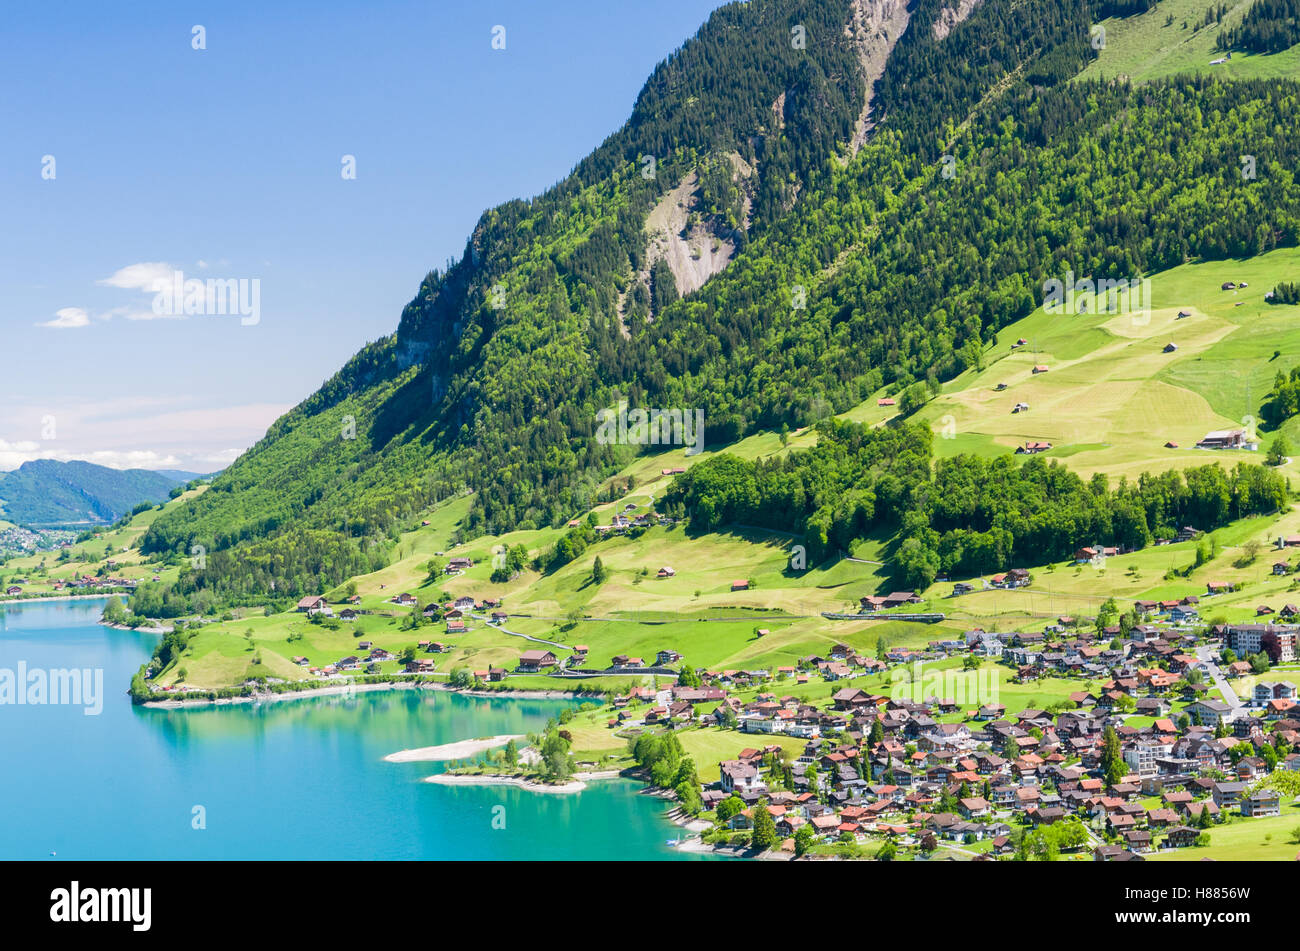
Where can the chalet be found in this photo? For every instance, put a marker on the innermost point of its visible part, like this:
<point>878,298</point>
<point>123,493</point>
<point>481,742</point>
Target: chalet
<point>497,674</point>
<point>1170,347</point>
<point>1181,837</point>
<point>1115,853</point>
<point>1281,568</point>
<point>1208,712</point>
<point>1020,408</point>
<point>405,599</point>
<point>961,588</point>
<point>1040,368</point>
<point>1264,802</point>
<point>14,589</point>
<point>1228,793</point>
<point>1223,439</point>
<point>665,657</point>
<point>893,600</point>
<point>740,585</point>
<point>348,614</point>
<point>886,401</point>
<point>536,660</point>
<point>1275,690</point>
<point>666,572</point>
<point>314,604</point>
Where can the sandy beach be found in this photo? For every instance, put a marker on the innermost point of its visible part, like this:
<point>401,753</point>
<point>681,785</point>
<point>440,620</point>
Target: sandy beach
<point>464,749</point>
<point>577,784</point>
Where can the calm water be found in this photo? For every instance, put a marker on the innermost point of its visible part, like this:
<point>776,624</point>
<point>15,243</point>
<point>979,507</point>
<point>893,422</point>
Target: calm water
<point>297,779</point>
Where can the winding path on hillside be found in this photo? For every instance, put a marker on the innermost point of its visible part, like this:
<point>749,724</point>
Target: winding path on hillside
<point>528,637</point>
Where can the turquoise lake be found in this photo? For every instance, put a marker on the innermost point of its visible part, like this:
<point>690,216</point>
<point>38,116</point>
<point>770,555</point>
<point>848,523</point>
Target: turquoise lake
<point>293,779</point>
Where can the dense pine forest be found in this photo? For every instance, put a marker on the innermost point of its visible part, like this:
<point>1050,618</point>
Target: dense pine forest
<point>1269,26</point>
<point>897,266</point>
<point>966,516</point>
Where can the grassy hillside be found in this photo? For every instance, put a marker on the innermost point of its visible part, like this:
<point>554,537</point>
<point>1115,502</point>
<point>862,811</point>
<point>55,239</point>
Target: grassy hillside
<point>118,545</point>
<point>1170,39</point>
<point>1109,401</point>
<point>1112,397</point>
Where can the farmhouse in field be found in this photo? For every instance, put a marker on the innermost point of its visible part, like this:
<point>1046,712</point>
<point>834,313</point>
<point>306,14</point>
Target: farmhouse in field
<point>1032,448</point>
<point>1223,439</point>
<point>315,604</point>
<point>533,661</point>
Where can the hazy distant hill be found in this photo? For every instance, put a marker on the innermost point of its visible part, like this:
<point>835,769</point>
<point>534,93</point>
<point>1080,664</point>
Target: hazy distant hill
<point>46,492</point>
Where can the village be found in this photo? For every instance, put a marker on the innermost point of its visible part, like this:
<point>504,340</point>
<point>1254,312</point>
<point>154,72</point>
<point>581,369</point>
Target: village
<point>1154,730</point>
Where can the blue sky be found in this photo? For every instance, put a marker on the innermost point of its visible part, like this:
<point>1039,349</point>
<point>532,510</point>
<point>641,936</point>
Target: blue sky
<point>226,163</point>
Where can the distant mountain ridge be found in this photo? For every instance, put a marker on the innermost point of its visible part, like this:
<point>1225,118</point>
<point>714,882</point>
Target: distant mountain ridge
<point>46,492</point>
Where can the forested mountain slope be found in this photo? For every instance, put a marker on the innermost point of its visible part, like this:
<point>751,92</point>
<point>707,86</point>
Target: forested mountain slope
<point>984,176</point>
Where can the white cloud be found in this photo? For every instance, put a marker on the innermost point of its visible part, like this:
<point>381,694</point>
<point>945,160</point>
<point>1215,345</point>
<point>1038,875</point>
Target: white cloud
<point>146,276</point>
<point>66,318</point>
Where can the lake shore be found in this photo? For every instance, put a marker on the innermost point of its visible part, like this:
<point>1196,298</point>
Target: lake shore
<point>182,701</point>
<point>463,749</point>
<point>329,691</point>
<point>42,599</point>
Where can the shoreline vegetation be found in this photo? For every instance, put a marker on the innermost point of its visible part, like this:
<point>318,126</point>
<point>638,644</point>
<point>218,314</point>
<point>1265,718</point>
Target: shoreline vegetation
<point>28,598</point>
<point>288,691</point>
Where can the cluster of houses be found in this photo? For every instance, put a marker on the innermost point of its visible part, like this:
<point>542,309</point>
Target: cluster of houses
<point>963,770</point>
<point>80,583</point>
<point>624,521</point>
<point>892,768</point>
